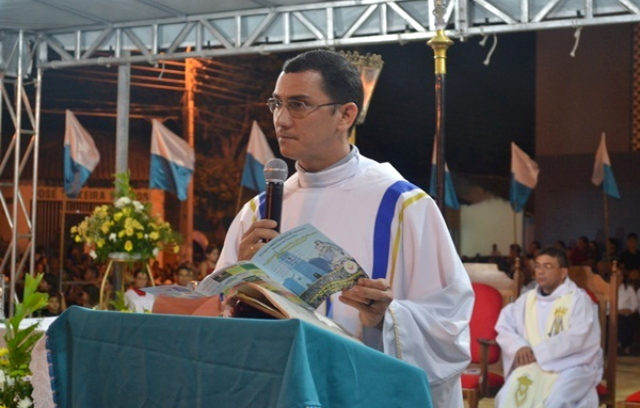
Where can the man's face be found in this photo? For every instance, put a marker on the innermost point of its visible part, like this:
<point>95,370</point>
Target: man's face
<point>54,304</point>
<point>141,280</point>
<point>184,277</point>
<point>319,139</point>
<point>549,274</point>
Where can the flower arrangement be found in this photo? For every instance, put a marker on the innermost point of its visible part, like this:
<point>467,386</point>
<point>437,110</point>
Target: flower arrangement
<point>15,375</point>
<point>127,227</point>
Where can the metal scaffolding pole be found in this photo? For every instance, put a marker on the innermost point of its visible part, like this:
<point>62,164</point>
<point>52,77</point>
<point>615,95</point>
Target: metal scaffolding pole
<point>20,219</point>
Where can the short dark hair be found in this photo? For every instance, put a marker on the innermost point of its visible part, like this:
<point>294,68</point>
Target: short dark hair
<point>93,292</point>
<point>186,266</point>
<point>556,253</point>
<point>341,79</point>
<point>632,235</point>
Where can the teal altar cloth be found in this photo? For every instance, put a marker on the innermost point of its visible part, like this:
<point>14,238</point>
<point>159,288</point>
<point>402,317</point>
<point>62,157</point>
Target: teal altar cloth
<point>110,359</point>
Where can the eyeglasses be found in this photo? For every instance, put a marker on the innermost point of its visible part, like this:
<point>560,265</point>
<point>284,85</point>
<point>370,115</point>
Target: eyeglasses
<point>297,109</point>
<point>547,266</point>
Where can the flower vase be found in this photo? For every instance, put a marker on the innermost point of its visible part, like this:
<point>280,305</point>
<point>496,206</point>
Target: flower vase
<point>124,256</point>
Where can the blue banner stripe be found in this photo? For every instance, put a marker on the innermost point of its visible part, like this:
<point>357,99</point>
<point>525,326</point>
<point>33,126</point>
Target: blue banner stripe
<point>253,174</point>
<point>450,197</point>
<point>168,176</point>
<point>518,195</point>
<point>382,228</point>
<point>610,185</point>
<point>75,174</point>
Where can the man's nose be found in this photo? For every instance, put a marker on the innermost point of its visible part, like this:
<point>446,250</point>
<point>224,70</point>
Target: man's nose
<point>282,117</point>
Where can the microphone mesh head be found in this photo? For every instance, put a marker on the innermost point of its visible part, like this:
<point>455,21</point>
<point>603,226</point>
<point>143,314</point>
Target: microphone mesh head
<point>276,171</point>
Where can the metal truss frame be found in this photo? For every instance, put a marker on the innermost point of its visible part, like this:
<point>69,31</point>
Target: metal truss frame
<point>317,25</point>
<point>19,107</point>
<point>346,23</point>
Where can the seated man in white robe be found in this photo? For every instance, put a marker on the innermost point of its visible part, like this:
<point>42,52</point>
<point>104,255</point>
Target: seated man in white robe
<point>550,340</point>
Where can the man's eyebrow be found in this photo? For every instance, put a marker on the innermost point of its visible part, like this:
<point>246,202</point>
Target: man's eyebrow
<point>294,97</point>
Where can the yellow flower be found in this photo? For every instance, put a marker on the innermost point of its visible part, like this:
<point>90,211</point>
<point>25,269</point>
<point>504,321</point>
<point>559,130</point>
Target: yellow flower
<point>74,229</point>
<point>128,231</point>
<point>117,216</point>
<point>120,234</point>
<point>140,235</point>
<point>128,246</point>
<point>154,235</point>
<point>78,239</point>
<point>176,249</point>
<point>137,225</point>
<point>105,227</point>
<point>4,351</point>
<point>100,243</point>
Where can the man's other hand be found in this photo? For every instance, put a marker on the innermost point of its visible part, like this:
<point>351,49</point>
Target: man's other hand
<point>371,297</point>
<point>523,357</point>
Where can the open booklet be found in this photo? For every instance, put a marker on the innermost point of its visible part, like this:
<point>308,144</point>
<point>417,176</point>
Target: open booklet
<point>288,277</point>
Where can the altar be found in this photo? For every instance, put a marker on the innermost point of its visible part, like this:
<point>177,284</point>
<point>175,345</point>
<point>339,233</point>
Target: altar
<point>110,359</point>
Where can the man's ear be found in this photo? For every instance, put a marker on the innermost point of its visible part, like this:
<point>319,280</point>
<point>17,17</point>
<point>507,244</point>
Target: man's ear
<point>349,114</point>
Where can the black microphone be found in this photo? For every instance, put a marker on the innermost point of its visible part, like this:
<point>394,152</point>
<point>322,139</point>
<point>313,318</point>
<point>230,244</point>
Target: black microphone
<point>275,174</point>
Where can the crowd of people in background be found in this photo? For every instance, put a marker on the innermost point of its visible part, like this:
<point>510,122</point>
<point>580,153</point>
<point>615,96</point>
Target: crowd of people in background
<point>587,253</point>
<point>81,278</point>
<point>78,281</point>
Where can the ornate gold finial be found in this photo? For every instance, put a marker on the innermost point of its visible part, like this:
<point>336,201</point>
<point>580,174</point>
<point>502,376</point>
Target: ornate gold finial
<point>440,43</point>
<point>369,66</point>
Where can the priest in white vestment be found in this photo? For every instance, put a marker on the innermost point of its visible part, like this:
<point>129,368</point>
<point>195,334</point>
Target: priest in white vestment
<point>550,340</point>
<point>419,300</point>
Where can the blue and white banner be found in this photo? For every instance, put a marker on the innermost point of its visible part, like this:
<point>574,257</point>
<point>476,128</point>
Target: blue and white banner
<point>172,161</point>
<point>81,155</point>
<point>602,171</point>
<point>524,177</point>
<point>258,154</point>
<point>450,197</point>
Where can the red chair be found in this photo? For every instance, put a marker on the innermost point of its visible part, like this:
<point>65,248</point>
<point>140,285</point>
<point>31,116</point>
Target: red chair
<point>632,401</point>
<point>477,381</point>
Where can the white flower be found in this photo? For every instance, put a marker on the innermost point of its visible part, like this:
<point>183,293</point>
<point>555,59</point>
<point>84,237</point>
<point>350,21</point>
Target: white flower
<point>24,403</point>
<point>138,205</point>
<point>93,254</point>
<point>146,236</point>
<point>122,201</point>
<point>155,251</point>
<point>2,378</point>
<point>113,237</point>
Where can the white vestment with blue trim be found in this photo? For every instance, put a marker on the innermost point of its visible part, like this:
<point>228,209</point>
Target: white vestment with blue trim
<point>395,231</point>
